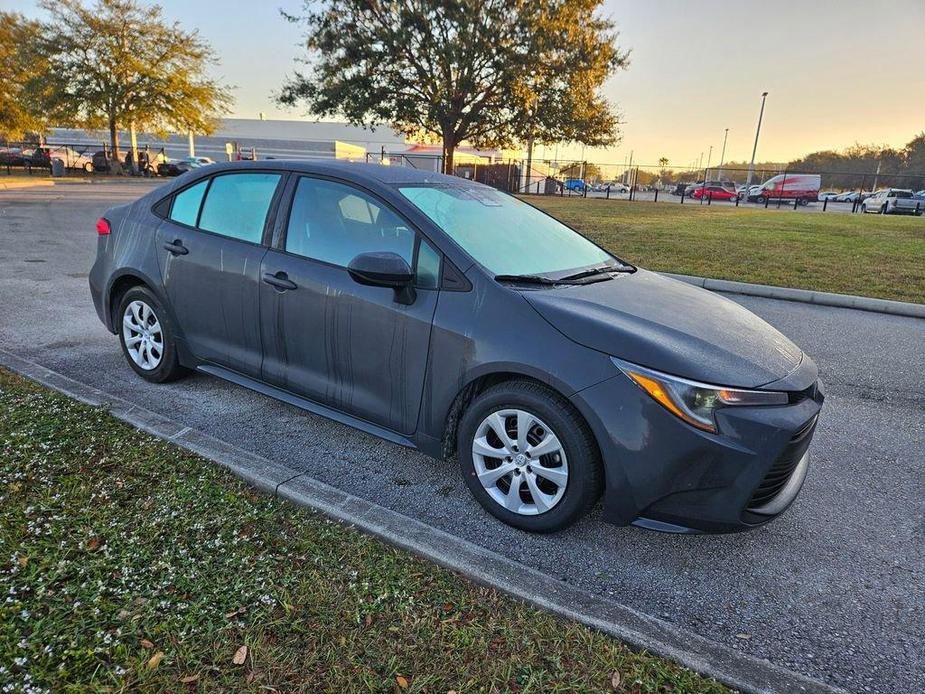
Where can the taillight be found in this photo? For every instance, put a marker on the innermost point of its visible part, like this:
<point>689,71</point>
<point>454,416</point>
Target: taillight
<point>102,227</point>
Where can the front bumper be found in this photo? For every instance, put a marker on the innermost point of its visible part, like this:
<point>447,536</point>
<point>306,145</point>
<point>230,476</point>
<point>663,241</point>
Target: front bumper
<point>666,475</point>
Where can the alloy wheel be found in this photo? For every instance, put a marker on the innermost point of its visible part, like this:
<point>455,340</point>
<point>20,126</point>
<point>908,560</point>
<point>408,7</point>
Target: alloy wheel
<point>520,462</point>
<point>144,339</point>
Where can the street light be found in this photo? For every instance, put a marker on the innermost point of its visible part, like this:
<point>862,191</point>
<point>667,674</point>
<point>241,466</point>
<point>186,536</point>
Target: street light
<point>751,166</point>
<point>722,157</point>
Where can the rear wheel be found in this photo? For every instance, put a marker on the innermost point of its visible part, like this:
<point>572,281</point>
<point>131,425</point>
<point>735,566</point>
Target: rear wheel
<point>528,457</point>
<point>147,336</point>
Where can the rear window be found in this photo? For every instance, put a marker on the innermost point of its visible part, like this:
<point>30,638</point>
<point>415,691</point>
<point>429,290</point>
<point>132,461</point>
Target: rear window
<point>186,204</point>
<point>901,193</point>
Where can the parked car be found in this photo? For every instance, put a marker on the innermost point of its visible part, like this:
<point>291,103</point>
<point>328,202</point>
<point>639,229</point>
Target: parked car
<point>801,187</point>
<point>714,192</point>
<point>893,201</point>
<point>829,195</point>
<point>199,161</point>
<point>11,156</point>
<point>452,318</point>
<point>100,161</point>
<point>617,187</point>
<point>576,185</point>
<point>847,196</point>
<point>175,167</point>
<point>71,158</point>
<point>920,194</point>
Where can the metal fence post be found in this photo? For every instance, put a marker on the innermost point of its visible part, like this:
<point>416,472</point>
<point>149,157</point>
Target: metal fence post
<point>656,195</point>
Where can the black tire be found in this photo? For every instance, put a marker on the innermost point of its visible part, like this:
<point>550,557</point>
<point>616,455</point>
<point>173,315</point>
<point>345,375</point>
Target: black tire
<point>760,199</point>
<point>168,369</point>
<point>585,474</point>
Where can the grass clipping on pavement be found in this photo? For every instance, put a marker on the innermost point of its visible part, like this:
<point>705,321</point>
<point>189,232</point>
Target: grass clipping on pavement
<point>127,563</point>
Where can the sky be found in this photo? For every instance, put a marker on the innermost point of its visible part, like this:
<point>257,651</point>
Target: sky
<point>836,72</point>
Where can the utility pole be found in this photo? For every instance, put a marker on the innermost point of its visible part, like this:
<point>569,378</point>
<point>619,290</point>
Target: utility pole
<point>877,175</point>
<point>722,157</point>
<point>751,165</point>
<point>192,144</point>
<point>707,171</point>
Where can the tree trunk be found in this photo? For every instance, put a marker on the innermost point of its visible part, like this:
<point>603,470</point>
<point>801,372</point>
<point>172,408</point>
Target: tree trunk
<point>449,148</point>
<point>114,138</point>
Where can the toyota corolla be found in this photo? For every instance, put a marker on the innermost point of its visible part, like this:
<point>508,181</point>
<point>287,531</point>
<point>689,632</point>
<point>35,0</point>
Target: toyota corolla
<point>446,316</point>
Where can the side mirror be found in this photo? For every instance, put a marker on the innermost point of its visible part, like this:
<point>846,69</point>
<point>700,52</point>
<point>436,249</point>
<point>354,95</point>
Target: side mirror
<point>384,269</point>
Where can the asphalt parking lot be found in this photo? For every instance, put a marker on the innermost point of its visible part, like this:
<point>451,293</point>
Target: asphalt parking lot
<point>834,589</point>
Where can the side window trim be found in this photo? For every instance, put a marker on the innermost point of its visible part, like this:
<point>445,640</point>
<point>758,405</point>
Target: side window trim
<point>202,201</point>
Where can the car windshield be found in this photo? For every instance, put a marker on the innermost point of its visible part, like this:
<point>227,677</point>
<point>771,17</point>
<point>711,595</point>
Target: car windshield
<point>504,234</point>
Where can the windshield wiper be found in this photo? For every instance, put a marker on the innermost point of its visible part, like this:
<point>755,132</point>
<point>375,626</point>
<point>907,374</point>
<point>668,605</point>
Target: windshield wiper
<point>527,279</point>
<point>602,270</point>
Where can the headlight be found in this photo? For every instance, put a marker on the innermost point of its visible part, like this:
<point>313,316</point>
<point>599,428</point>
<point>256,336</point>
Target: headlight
<point>694,402</point>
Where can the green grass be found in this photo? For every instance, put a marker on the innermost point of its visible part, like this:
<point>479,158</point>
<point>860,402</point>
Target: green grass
<point>868,255</point>
<point>127,563</point>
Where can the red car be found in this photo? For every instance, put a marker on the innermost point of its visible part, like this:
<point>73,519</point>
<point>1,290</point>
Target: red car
<point>714,192</point>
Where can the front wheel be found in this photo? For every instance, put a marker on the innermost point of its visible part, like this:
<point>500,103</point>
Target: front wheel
<point>760,199</point>
<point>147,336</point>
<point>528,457</point>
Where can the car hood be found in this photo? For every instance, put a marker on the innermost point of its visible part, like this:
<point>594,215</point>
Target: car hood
<point>670,326</point>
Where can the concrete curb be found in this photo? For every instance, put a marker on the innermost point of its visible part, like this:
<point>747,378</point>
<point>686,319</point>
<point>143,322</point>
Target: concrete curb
<point>806,296</point>
<point>638,630</point>
<point>14,185</point>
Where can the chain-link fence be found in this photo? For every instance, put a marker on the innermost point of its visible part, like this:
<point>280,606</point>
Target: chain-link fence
<point>779,188</point>
<point>75,158</point>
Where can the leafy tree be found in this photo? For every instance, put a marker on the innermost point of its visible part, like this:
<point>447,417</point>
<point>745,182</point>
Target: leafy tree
<point>20,65</point>
<point>119,64</point>
<point>592,172</point>
<point>490,72</point>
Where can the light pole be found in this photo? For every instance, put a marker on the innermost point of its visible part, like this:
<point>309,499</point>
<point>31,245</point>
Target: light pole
<point>751,166</point>
<point>722,157</point>
<point>706,173</point>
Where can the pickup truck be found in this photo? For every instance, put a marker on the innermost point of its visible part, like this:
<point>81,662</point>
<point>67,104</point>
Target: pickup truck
<point>894,201</point>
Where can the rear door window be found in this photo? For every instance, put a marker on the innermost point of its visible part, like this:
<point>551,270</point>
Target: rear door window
<point>237,204</point>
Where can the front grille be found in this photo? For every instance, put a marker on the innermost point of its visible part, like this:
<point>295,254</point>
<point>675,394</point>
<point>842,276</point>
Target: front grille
<point>783,467</point>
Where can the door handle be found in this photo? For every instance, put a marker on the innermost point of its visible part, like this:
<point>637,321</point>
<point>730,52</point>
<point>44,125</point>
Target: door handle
<point>177,247</point>
<point>280,280</point>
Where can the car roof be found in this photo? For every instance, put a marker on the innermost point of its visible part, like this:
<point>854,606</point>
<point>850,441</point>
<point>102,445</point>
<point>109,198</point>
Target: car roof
<point>355,171</point>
